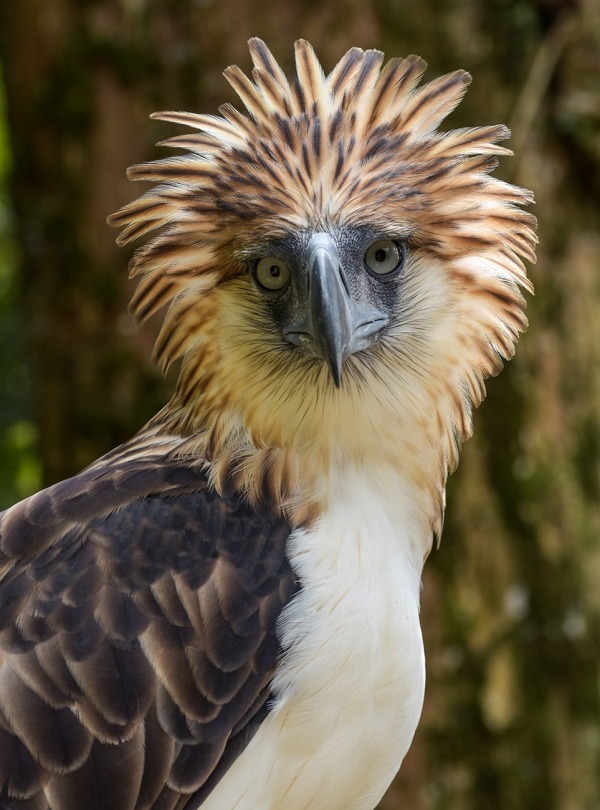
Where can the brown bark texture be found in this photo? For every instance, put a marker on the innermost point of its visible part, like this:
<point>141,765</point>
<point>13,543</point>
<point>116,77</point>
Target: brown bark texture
<point>511,601</point>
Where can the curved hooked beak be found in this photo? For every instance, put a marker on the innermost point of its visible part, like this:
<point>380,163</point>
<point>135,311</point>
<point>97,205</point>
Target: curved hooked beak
<point>333,325</point>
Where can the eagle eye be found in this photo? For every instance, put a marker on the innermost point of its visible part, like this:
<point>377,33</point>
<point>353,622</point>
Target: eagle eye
<point>385,258</point>
<point>271,273</point>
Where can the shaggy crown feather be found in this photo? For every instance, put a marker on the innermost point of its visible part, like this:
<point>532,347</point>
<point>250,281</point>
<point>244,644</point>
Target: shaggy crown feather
<point>360,144</point>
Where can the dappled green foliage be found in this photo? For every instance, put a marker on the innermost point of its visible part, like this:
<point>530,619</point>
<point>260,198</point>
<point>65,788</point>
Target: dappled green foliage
<point>20,471</point>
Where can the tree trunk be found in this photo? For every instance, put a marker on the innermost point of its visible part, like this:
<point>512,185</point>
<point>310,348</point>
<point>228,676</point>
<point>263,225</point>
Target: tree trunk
<point>511,606</point>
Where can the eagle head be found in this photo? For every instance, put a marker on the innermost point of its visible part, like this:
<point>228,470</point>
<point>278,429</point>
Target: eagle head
<point>341,275</point>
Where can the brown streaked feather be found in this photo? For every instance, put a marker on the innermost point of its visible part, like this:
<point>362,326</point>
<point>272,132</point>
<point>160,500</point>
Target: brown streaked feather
<point>272,92</point>
<point>477,140</point>
<point>183,168</point>
<point>432,103</point>
<point>312,80</point>
<point>240,123</point>
<point>248,93</point>
<point>367,77</point>
<point>264,60</point>
<point>196,142</point>
<point>149,297</point>
<point>397,82</point>
<point>344,72</point>
<point>209,124</point>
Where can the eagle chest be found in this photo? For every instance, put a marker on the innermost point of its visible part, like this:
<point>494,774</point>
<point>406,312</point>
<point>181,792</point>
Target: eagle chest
<point>348,691</point>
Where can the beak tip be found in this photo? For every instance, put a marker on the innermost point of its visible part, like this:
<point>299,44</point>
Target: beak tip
<point>336,374</point>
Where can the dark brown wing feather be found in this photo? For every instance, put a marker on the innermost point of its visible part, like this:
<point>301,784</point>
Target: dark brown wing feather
<point>137,636</point>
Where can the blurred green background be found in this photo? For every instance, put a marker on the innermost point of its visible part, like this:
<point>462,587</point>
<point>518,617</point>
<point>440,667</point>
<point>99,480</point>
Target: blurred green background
<point>20,468</point>
<point>511,601</point>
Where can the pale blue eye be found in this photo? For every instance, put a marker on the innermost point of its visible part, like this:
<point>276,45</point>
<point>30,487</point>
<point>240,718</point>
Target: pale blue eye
<point>385,257</point>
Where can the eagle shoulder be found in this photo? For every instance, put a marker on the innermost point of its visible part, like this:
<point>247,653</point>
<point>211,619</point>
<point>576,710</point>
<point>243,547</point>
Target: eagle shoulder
<point>138,615</point>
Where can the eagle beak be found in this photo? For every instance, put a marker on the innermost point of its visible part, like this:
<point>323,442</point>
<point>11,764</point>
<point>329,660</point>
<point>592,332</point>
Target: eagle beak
<point>329,304</point>
<point>333,325</point>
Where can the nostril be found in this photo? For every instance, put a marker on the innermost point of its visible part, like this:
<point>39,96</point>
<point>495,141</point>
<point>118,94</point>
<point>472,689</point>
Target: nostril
<point>344,280</point>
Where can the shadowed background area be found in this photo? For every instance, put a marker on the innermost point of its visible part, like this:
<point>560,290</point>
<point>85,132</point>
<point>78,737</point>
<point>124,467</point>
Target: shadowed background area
<point>511,602</point>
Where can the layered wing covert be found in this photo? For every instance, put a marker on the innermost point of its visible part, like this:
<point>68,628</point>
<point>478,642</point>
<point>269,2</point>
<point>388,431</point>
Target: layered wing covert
<point>137,636</point>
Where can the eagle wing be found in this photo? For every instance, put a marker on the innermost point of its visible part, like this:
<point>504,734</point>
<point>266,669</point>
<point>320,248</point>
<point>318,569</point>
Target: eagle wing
<point>138,614</point>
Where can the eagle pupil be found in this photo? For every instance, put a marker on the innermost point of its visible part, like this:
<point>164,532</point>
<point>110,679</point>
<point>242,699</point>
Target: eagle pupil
<point>380,255</point>
<point>274,271</point>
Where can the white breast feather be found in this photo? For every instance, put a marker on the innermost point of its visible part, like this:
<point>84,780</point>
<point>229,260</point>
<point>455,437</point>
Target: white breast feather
<point>350,686</point>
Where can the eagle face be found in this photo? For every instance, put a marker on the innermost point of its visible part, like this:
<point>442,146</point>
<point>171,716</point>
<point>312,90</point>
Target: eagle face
<point>329,294</point>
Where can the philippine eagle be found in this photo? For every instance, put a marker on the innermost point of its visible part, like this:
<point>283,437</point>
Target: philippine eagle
<point>223,612</point>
